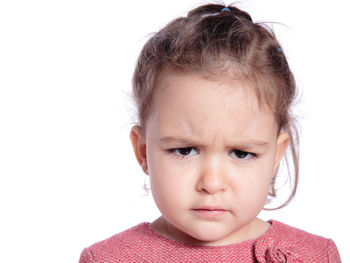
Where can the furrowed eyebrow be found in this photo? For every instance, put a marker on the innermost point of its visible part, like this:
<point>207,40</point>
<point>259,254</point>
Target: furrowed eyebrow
<point>239,145</point>
<point>170,139</point>
<point>250,144</point>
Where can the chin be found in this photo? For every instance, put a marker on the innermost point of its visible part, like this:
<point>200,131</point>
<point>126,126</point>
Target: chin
<point>209,236</point>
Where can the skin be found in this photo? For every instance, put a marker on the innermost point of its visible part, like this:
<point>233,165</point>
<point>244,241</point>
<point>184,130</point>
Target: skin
<point>207,143</point>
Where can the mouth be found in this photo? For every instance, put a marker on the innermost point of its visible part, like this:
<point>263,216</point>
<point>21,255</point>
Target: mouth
<point>210,211</point>
<point>210,208</point>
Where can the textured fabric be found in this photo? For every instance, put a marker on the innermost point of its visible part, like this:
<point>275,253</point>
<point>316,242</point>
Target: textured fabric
<point>280,243</point>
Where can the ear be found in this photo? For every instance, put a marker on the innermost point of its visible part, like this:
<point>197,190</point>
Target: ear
<point>282,144</point>
<point>139,144</point>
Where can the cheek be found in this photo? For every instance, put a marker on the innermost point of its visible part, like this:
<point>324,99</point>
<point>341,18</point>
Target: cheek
<point>170,183</point>
<point>251,198</point>
<point>253,185</point>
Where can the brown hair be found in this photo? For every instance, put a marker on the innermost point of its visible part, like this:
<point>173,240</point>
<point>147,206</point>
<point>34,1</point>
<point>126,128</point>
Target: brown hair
<point>217,40</point>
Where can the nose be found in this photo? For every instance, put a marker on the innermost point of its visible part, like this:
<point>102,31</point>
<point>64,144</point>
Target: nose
<point>212,176</point>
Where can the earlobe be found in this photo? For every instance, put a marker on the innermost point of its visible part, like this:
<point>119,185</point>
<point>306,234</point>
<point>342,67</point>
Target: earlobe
<point>139,144</point>
<point>282,144</point>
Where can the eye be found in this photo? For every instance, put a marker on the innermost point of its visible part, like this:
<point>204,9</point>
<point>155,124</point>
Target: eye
<point>186,151</point>
<point>238,154</point>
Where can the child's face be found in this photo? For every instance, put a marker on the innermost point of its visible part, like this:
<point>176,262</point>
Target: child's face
<point>208,146</point>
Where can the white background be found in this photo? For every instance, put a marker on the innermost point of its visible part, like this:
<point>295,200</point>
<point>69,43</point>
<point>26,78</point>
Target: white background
<point>68,176</point>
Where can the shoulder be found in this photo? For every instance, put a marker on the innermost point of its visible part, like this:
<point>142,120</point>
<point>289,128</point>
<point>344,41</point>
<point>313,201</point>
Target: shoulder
<point>296,243</point>
<point>117,248</point>
<point>291,233</point>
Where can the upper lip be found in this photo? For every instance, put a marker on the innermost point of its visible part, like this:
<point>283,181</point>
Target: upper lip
<point>213,208</point>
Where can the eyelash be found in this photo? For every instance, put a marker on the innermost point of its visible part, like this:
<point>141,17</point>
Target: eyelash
<point>253,155</point>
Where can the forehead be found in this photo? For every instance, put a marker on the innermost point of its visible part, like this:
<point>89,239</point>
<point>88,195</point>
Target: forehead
<point>192,103</point>
<point>230,76</point>
<point>227,89</point>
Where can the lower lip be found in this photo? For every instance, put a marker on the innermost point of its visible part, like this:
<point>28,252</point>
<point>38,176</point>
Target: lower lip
<point>210,213</point>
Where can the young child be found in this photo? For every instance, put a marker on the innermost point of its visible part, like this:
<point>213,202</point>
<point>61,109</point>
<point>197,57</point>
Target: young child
<point>214,92</point>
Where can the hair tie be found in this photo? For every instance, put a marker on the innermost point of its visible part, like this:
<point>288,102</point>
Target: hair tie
<point>225,9</point>
<point>279,50</point>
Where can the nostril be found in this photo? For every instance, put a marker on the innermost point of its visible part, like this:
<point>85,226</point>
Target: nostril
<point>210,185</point>
<point>212,174</point>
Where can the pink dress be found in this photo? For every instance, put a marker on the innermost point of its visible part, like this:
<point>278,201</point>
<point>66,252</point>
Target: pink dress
<point>280,243</point>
